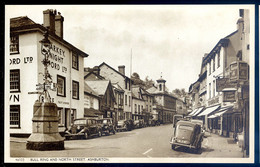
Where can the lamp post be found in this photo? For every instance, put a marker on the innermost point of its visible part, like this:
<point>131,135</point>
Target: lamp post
<point>45,135</point>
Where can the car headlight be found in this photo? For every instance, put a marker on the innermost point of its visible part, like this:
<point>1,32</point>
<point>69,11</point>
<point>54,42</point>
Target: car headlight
<point>78,127</point>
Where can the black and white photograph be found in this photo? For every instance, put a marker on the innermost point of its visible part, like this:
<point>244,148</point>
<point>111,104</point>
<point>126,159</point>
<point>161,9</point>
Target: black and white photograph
<point>129,84</point>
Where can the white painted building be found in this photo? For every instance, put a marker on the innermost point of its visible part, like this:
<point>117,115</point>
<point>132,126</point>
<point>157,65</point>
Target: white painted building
<point>25,70</point>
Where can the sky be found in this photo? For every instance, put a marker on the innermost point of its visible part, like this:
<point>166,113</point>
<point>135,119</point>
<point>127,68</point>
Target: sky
<point>163,40</point>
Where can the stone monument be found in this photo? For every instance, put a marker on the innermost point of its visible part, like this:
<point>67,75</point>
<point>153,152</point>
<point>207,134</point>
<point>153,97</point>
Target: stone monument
<point>45,135</point>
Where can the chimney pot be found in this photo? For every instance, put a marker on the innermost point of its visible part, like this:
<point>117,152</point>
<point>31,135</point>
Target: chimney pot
<point>59,25</point>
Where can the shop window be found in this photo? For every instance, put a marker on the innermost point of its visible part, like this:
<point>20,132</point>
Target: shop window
<point>61,86</point>
<point>75,61</point>
<point>14,44</point>
<point>14,80</point>
<point>75,90</point>
<point>15,116</point>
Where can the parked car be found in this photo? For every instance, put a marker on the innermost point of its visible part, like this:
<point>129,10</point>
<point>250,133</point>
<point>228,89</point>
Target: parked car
<point>154,122</point>
<point>137,123</point>
<point>130,125</point>
<point>121,125</point>
<point>199,122</point>
<point>187,134</point>
<point>84,128</point>
<point>107,126</point>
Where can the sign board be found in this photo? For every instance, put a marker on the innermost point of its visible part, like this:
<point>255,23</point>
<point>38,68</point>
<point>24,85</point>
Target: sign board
<point>238,71</point>
<point>229,96</point>
<point>222,83</point>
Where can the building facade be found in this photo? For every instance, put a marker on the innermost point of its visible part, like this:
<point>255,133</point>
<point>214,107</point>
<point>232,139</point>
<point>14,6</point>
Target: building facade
<point>26,70</point>
<point>123,81</point>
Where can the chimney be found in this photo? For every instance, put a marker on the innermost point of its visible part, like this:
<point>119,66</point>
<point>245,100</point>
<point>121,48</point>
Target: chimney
<point>121,69</point>
<point>49,19</point>
<point>96,70</point>
<point>59,25</point>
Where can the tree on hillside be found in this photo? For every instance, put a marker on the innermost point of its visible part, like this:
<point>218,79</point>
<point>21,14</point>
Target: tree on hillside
<point>180,92</point>
<point>136,79</point>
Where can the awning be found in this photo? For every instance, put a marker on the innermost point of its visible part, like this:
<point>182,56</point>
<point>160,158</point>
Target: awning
<point>191,114</point>
<point>221,111</point>
<point>229,89</point>
<point>212,116</point>
<point>208,110</point>
<point>91,112</point>
<point>198,111</point>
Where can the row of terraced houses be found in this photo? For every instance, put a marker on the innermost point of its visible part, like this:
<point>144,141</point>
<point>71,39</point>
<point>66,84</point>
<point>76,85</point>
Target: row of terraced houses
<point>100,92</point>
<point>220,95</point>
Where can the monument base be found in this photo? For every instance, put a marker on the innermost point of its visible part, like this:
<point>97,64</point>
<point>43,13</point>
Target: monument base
<point>45,135</point>
<point>45,146</point>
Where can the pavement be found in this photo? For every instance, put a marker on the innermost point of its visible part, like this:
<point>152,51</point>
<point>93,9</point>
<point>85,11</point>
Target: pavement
<point>149,142</point>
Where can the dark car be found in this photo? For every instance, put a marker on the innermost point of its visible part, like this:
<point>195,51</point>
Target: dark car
<point>84,128</point>
<point>107,126</point>
<point>187,134</point>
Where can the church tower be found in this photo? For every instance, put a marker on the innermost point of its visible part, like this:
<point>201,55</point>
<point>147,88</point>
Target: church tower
<point>161,84</point>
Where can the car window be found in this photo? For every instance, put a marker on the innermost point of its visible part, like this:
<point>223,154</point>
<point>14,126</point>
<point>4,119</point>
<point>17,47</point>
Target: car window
<point>77,122</point>
<point>185,127</point>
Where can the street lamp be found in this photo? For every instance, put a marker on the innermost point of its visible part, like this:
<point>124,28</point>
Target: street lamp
<point>48,84</point>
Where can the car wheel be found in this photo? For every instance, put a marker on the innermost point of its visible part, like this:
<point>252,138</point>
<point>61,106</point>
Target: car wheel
<point>173,146</point>
<point>86,135</point>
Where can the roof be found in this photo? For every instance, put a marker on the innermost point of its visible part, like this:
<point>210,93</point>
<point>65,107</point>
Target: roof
<point>26,24</point>
<point>99,86</point>
<point>88,89</point>
<point>20,21</point>
<point>222,41</point>
<point>117,87</point>
<point>104,64</point>
<point>135,93</point>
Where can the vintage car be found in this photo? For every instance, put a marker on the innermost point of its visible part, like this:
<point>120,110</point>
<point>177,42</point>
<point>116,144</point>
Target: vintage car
<point>199,122</point>
<point>177,118</point>
<point>187,134</point>
<point>121,125</point>
<point>125,125</point>
<point>139,123</point>
<point>84,128</point>
<point>153,122</point>
<point>107,126</point>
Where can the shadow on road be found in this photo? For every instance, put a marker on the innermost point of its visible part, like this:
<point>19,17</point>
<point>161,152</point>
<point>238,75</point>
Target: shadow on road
<point>188,150</point>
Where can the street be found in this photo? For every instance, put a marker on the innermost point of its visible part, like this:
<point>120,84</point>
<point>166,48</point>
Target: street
<point>150,142</point>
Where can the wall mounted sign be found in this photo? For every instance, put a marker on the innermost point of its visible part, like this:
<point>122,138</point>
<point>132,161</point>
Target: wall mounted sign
<point>229,96</point>
<point>222,83</point>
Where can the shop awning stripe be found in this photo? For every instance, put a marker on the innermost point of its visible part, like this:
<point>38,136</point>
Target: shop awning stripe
<point>209,110</point>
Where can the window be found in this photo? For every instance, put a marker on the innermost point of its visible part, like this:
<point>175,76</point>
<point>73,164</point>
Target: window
<point>14,80</point>
<point>125,99</point>
<point>60,116</point>
<point>129,101</point>
<point>125,83</point>
<point>160,87</point>
<point>75,61</point>
<point>150,108</point>
<point>61,86</point>
<point>214,88</point>
<point>135,108</point>
<point>75,90</point>
<point>14,44</point>
<point>142,108</point>
<point>213,63</point>
<point>138,109</point>
<point>91,102</point>
<point>209,67</point>
<point>15,116</point>
<point>218,59</point>
<point>209,90</point>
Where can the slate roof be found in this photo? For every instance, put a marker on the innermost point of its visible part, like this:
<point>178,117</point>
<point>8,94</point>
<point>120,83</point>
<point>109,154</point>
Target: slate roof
<point>88,89</point>
<point>102,64</point>
<point>99,86</point>
<point>21,21</point>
